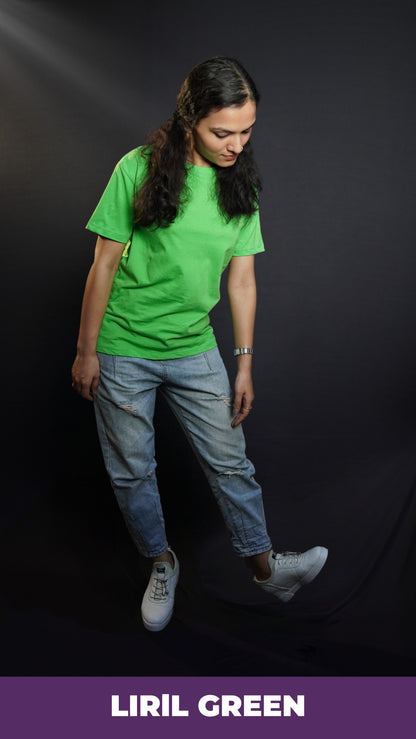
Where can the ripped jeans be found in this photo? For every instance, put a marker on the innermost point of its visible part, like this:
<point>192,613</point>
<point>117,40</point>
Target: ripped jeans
<point>198,391</point>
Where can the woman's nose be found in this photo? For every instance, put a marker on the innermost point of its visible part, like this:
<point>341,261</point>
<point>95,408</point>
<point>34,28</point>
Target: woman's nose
<point>234,144</point>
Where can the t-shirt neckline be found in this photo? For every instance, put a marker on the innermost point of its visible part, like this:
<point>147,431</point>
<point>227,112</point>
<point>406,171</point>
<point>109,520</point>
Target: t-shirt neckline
<point>197,169</point>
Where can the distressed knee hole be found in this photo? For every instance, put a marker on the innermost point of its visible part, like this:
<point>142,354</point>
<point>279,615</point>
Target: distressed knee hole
<point>147,476</point>
<point>225,400</point>
<point>128,407</point>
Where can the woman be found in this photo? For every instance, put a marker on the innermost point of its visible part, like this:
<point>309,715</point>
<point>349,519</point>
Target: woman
<point>174,214</point>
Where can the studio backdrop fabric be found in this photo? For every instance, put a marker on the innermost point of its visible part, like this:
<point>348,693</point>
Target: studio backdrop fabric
<point>332,433</point>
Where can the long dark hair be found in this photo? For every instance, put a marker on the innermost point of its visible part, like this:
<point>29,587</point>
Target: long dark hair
<point>216,83</point>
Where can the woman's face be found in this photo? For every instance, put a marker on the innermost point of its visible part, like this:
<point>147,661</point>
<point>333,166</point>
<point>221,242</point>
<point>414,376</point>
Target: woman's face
<point>218,138</point>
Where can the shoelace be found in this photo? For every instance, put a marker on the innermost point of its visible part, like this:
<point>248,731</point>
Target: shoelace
<point>160,589</point>
<point>287,559</point>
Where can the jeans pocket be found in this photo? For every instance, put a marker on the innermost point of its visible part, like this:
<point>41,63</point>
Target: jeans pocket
<point>212,357</point>
<point>107,365</point>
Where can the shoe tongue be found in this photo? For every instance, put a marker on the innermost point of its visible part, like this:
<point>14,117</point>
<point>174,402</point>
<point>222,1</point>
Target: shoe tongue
<point>161,569</point>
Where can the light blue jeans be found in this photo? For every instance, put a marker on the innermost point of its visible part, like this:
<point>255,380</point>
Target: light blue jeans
<point>198,391</point>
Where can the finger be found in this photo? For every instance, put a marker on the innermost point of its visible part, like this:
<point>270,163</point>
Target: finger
<point>94,385</point>
<point>238,401</point>
<point>241,416</point>
<point>87,389</point>
<point>76,386</point>
<point>83,389</point>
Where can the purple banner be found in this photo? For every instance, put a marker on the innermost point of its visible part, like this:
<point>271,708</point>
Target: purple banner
<point>124,707</point>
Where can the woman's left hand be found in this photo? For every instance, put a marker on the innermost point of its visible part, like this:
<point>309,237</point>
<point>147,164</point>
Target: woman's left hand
<point>243,397</point>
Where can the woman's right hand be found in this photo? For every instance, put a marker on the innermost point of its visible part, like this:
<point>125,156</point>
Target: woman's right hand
<point>86,375</point>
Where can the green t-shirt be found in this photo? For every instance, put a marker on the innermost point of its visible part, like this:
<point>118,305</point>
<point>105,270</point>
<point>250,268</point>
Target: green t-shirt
<point>168,279</point>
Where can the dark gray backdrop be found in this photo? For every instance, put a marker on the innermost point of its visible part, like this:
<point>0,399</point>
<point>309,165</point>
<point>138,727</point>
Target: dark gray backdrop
<point>332,433</point>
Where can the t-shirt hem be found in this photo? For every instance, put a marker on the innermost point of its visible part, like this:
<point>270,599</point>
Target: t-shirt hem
<point>249,251</point>
<point>106,233</point>
<point>156,354</point>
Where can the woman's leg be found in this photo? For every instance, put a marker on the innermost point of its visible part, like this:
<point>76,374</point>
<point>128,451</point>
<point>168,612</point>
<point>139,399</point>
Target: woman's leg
<point>124,407</point>
<point>198,390</point>
<point>199,394</point>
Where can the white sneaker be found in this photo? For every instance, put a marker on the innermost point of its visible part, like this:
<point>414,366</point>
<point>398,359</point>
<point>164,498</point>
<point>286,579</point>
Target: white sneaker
<point>291,570</point>
<point>159,596</point>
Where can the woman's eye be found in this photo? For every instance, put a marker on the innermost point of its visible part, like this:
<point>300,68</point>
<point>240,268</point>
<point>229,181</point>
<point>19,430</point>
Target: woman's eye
<point>224,135</point>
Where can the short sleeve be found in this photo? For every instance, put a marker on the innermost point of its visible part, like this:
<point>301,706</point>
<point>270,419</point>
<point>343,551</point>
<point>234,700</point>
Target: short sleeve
<point>113,216</point>
<point>250,240</point>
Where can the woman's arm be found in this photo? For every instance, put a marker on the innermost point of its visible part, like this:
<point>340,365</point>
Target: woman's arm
<point>86,370</point>
<point>242,295</point>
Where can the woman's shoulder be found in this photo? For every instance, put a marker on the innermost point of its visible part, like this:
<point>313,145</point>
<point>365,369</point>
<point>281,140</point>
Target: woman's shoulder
<point>134,163</point>
<point>139,152</point>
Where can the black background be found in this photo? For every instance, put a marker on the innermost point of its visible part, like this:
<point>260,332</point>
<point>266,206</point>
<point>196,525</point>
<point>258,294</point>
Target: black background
<point>333,431</point>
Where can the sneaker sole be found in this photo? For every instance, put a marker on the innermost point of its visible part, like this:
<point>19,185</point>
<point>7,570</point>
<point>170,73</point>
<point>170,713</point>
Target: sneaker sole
<point>151,626</point>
